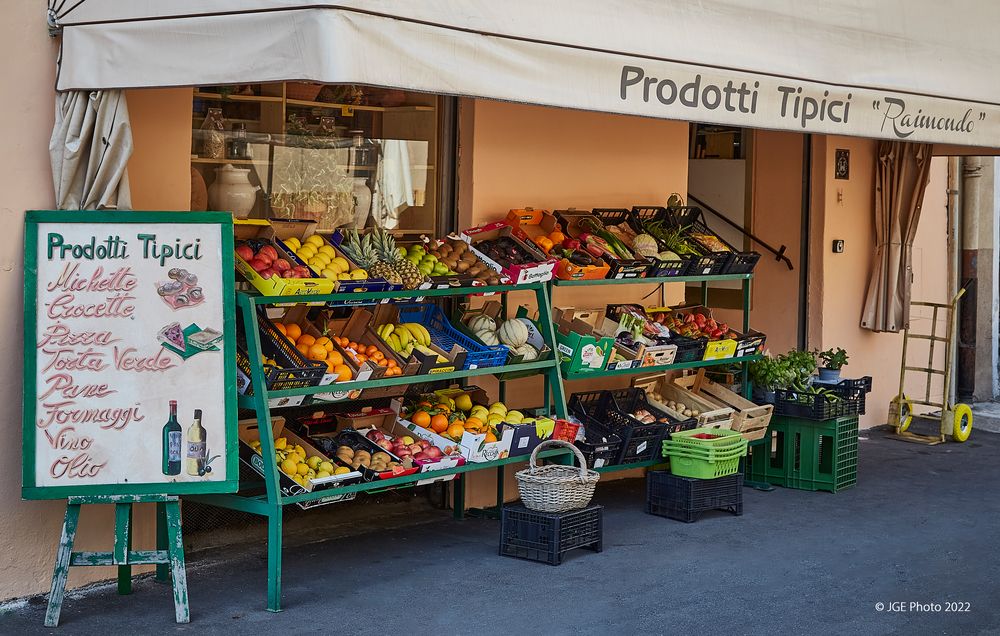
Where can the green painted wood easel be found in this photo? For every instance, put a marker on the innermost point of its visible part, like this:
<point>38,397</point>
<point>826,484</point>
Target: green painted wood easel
<point>168,556</point>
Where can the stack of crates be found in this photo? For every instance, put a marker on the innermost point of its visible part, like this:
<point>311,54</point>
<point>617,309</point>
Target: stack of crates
<point>807,454</point>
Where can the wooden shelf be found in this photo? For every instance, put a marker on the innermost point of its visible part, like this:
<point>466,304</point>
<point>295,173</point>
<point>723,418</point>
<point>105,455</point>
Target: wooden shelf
<point>217,97</point>
<point>235,162</point>
<point>378,109</point>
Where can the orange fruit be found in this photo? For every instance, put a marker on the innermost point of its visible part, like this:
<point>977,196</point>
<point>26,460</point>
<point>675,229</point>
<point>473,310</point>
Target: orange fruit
<point>343,372</point>
<point>326,342</point>
<point>306,339</point>
<point>557,237</point>
<point>473,423</point>
<point>281,327</point>
<point>317,352</point>
<point>335,358</point>
<point>329,365</point>
<point>422,418</point>
<point>293,331</point>
<point>545,243</point>
<point>392,363</point>
<point>354,345</point>
<point>490,437</point>
<point>439,423</point>
<point>371,350</point>
<point>303,349</point>
<point>443,407</point>
<point>455,431</point>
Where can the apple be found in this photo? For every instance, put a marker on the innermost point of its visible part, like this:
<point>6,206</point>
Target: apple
<point>406,439</point>
<point>385,444</point>
<point>403,452</point>
<point>259,265</point>
<point>245,252</point>
<point>416,448</point>
<point>268,273</point>
<point>433,452</point>
<point>301,272</point>
<point>423,443</point>
<point>269,253</point>
<point>282,265</point>
<point>422,456</point>
<point>376,436</point>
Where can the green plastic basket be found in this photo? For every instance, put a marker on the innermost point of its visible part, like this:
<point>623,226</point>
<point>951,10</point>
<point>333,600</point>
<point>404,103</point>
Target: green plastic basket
<point>723,439</point>
<point>703,464</point>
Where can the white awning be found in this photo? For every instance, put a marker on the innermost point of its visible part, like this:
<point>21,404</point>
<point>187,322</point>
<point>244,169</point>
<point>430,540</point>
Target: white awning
<point>918,70</point>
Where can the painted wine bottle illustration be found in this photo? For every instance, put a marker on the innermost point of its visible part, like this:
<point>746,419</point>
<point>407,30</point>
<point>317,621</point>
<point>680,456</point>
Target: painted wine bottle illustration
<point>197,447</point>
<point>172,434</point>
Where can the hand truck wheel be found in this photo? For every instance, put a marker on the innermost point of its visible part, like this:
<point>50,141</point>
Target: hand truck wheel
<point>962,423</point>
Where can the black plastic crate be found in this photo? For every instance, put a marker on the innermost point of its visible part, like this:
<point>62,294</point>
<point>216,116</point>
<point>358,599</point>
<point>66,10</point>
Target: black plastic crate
<point>863,384</point>
<point>600,447</point>
<point>688,349</point>
<point>836,401</point>
<point>686,498</point>
<point>732,261</point>
<point>547,536</point>
<point>750,344</point>
<point>293,371</point>
<point>630,399</point>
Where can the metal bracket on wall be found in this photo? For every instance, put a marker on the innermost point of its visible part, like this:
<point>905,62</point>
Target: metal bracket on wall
<point>779,253</point>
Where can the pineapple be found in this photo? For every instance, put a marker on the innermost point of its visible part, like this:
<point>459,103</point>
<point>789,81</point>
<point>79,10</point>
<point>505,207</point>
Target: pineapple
<point>385,246</point>
<point>362,252</point>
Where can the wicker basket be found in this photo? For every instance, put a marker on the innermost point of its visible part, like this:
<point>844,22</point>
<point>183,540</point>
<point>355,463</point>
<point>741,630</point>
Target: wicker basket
<point>556,488</point>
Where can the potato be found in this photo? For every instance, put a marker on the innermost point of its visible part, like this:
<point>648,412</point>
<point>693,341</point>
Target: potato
<point>381,457</point>
<point>688,412</point>
<point>347,450</point>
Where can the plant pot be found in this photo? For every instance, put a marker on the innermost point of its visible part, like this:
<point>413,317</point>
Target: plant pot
<point>829,375</point>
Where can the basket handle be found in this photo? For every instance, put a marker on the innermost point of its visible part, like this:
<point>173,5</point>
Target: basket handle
<point>559,443</point>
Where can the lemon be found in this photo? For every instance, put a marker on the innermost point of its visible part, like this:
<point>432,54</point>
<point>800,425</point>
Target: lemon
<point>494,419</point>
<point>335,266</point>
<point>280,443</point>
<point>463,402</point>
<point>342,263</point>
<point>289,466</point>
<point>292,243</point>
<point>305,252</point>
<point>498,407</point>
<point>302,468</point>
<point>329,273</point>
<point>341,470</point>
<point>323,256</point>
<point>314,461</point>
<point>515,417</point>
<point>326,467</point>
<point>359,274</point>
<point>343,276</point>
<point>300,450</point>
<point>315,240</point>
<point>301,480</point>
<point>328,250</point>
<point>322,474</point>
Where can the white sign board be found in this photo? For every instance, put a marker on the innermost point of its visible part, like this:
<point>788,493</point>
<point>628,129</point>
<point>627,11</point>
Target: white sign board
<point>129,384</point>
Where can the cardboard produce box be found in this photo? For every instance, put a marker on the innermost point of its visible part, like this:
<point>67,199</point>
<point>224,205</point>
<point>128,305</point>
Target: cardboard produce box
<point>539,269</point>
<point>385,420</point>
<point>618,268</point>
<point>248,430</point>
<point>541,223</point>
<point>259,230</point>
<point>642,355</point>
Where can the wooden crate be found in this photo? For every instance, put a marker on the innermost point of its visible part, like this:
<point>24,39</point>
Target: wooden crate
<point>710,415</point>
<point>749,419</point>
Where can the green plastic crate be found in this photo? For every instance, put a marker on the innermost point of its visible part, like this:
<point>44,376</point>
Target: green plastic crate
<point>807,454</point>
<point>703,464</point>
<point>722,439</point>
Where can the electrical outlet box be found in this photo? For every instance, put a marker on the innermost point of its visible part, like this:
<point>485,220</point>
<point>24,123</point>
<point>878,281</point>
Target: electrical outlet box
<point>838,246</point>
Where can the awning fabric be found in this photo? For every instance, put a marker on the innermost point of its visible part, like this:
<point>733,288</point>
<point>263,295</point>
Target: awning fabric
<point>913,70</point>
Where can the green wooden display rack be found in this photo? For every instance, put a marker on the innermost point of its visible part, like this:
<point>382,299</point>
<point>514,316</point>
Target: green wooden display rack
<point>270,503</point>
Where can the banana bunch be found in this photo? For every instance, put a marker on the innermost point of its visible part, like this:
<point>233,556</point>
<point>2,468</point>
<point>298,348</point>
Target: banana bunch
<point>406,337</point>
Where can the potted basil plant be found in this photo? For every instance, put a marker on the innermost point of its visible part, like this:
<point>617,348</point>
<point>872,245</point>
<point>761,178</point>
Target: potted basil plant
<point>833,360</point>
<point>768,375</point>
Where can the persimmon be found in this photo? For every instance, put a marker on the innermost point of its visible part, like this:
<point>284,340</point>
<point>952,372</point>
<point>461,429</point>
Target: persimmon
<point>422,419</point>
<point>343,372</point>
<point>293,331</point>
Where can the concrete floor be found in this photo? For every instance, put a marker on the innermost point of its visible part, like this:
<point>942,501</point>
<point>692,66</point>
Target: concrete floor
<point>921,526</point>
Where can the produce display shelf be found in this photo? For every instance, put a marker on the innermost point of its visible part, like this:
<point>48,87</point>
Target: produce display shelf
<point>256,298</point>
<point>647,281</point>
<point>600,373</point>
<point>659,461</point>
<point>248,401</point>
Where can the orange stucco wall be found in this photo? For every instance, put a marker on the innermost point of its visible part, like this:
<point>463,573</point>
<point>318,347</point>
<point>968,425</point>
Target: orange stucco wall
<point>840,283</point>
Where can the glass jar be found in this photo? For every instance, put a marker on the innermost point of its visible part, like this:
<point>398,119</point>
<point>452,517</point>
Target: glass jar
<point>213,135</point>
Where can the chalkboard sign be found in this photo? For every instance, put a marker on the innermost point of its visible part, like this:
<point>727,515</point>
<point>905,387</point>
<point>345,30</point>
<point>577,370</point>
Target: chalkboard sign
<point>129,354</point>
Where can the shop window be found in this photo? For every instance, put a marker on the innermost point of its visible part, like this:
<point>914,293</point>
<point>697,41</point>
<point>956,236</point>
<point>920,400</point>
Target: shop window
<point>709,141</point>
<point>343,156</point>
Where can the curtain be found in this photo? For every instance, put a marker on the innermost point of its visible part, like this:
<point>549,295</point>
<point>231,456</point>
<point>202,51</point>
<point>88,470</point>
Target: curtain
<point>90,146</point>
<point>901,176</point>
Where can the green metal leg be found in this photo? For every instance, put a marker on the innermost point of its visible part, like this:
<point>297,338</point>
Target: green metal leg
<point>274,560</point>
<point>163,569</point>
<point>123,546</point>
<point>704,294</point>
<point>458,502</point>
<point>500,488</point>
<point>745,367</point>
<point>553,376</point>
<point>61,572</point>
<point>175,550</point>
